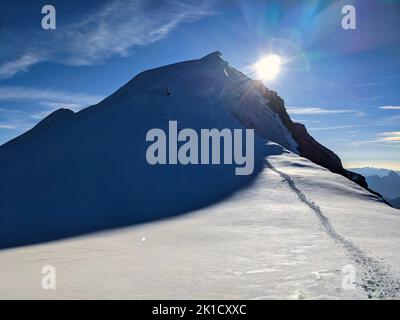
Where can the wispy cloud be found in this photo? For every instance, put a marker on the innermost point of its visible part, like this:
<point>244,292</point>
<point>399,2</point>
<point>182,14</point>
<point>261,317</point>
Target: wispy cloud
<point>9,69</point>
<point>53,99</point>
<point>332,128</point>
<point>319,110</point>
<point>390,107</point>
<point>113,30</point>
<point>393,136</point>
<point>41,102</point>
<point>7,126</point>
<point>383,139</point>
<point>354,85</point>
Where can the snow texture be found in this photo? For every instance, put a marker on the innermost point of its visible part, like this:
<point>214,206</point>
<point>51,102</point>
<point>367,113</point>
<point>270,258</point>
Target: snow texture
<point>190,232</point>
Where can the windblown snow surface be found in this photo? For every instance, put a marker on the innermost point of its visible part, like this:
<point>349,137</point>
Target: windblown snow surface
<point>185,232</point>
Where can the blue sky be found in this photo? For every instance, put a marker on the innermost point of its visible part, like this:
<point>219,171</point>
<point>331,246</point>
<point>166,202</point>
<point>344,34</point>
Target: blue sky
<point>343,84</point>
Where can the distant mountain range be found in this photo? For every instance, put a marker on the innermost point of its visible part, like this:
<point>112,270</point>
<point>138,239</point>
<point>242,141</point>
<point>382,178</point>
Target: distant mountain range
<point>371,171</point>
<point>396,203</point>
<point>384,181</point>
<point>97,176</point>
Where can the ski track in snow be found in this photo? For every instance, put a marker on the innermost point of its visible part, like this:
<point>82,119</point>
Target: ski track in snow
<point>376,280</point>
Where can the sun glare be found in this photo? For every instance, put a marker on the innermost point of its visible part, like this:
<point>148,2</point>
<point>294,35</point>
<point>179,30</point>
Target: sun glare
<point>269,67</point>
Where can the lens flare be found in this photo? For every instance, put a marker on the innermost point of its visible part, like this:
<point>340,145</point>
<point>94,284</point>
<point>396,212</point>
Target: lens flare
<point>269,67</point>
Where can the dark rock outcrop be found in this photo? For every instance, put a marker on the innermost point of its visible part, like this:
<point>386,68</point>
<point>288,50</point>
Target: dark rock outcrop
<point>308,147</point>
<point>395,203</point>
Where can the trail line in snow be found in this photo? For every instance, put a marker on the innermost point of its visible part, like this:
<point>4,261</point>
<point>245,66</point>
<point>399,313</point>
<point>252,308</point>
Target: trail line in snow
<point>376,279</point>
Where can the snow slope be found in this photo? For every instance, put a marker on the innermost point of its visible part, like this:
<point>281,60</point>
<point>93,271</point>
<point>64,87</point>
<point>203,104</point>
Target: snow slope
<point>190,231</point>
<point>83,172</point>
<point>287,235</point>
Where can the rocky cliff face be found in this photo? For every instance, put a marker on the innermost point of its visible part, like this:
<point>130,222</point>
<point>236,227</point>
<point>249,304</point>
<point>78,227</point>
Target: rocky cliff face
<point>308,147</point>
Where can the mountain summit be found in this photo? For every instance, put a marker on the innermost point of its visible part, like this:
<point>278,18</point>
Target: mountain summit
<point>285,231</point>
<point>79,172</point>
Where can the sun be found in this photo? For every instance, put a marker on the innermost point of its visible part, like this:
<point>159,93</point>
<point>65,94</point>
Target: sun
<point>269,67</point>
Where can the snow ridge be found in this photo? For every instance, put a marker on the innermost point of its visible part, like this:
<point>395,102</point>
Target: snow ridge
<point>376,280</point>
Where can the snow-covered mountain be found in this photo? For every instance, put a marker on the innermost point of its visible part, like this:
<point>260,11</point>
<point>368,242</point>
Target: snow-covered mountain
<point>385,182</point>
<point>370,171</point>
<point>76,168</point>
<point>286,231</point>
<point>388,186</point>
<point>395,202</point>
